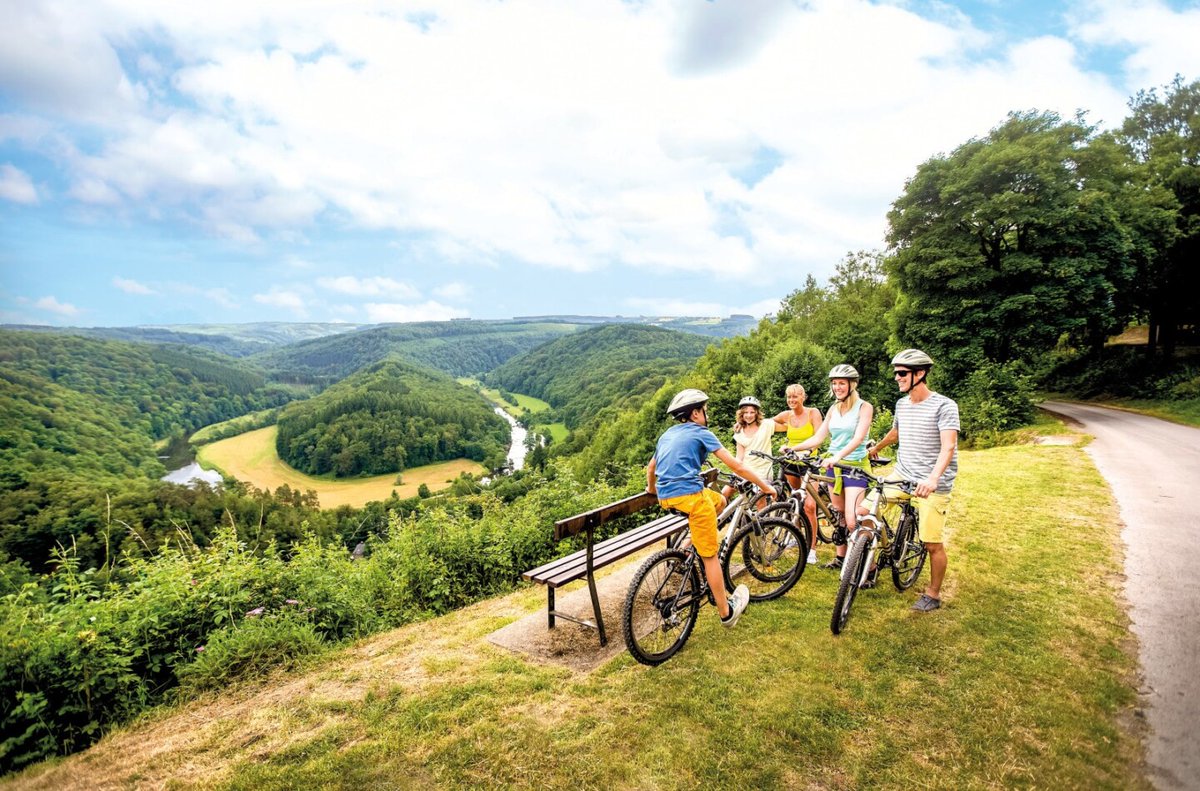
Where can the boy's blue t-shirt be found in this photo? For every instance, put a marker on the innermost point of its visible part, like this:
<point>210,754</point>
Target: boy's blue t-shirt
<point>679,456</point>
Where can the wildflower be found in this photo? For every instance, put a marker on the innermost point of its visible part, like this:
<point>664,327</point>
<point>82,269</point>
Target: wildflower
<point>257,611</point>
<point>291,601</point>
<point>199,649</point>
<point>309,609</point>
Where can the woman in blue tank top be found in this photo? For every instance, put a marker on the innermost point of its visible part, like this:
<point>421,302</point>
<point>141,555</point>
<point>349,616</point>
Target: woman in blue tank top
<point>846,425</point>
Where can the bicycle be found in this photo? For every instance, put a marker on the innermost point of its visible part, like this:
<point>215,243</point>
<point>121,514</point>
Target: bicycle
<point>664,598</point>
<point>874,545</point>
<point>813,484</point>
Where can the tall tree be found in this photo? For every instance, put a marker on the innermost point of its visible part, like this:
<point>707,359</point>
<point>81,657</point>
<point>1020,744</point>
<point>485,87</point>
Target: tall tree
<point>1163,134</point>
<point>1008,244</point>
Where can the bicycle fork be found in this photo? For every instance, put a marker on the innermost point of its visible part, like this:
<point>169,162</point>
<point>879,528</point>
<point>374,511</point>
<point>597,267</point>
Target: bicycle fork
<point>866,566</point>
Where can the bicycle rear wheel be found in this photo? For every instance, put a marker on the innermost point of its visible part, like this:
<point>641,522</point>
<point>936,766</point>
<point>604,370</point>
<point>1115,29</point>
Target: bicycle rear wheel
<point>856,560</point>
<point>767,557</point>
<point>661,606</point>
<point>909,554</point>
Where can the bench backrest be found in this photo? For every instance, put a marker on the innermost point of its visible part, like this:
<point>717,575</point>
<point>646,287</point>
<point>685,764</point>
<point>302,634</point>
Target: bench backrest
<point>573,525</point>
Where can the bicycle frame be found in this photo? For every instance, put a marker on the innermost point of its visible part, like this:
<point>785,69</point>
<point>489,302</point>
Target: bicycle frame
<point>876,525</point>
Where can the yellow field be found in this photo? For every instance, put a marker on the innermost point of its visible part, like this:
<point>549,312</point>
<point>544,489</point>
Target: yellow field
<point>251,458</point>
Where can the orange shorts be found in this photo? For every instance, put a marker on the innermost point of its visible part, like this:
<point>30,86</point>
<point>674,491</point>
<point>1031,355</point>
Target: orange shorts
<point>701,509</point>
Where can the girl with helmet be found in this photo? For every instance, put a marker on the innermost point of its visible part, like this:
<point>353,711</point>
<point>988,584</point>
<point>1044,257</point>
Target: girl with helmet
<point>751,431</point>
<point>846,424</point>
<point>800,422</point>
<point>673,476</point>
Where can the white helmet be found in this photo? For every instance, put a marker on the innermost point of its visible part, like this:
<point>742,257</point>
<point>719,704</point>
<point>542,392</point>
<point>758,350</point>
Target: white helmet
<point>914,358</point>
<point>843,371</point>
<point>685,401</point>
<point>750,401</point>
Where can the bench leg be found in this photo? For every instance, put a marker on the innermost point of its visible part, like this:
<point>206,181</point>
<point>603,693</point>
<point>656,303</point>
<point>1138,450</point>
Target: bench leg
<point>550,605</point>
<point>596,609</point>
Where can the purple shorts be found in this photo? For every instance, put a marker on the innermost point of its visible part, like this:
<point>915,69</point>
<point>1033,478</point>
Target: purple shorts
<point>844,480</point>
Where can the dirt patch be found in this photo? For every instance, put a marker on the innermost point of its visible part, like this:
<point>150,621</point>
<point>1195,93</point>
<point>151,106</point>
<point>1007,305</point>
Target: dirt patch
<point>570,644</point>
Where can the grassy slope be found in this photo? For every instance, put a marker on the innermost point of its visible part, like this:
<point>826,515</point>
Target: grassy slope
<point>251,457</point>
<point>1021,681</point>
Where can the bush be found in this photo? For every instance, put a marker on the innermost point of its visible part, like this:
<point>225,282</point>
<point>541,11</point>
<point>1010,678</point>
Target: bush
<point>264,641</point>
<point>994,398</point>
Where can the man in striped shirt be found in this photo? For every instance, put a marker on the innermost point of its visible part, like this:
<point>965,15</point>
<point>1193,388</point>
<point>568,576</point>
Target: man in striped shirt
<point>926,423</point>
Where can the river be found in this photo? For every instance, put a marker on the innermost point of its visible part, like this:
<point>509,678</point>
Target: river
<point>517,450</point>
<point>193,472</point>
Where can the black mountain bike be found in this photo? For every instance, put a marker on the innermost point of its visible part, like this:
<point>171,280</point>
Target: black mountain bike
<point>768,555</point>
<point>874,545</point>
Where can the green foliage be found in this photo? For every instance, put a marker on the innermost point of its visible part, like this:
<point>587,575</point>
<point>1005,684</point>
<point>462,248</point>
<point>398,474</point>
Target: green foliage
<point>1162,134</point>
<point>609,366</point>
<point>994,398</point>
<point>84,649</point>
<point>1120,372</point>
<point>1007,244</point>
<point>386,418</point>
<point>69,403</point>
<point>268,641</point>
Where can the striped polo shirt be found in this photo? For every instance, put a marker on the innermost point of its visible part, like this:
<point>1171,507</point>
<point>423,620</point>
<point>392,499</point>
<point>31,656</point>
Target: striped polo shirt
<point>920,426</point>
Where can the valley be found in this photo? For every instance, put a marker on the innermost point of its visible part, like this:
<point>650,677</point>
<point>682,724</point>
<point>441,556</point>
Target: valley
<point>251,457</point>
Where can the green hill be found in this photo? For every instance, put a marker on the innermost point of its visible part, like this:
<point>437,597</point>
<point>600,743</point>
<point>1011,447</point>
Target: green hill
<point>612,365</point>
<point>89,405</point>
<point>459,348</point>
<point>387,417</point>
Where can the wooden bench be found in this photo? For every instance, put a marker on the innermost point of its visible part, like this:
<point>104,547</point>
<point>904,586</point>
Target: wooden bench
<point>583,563</point>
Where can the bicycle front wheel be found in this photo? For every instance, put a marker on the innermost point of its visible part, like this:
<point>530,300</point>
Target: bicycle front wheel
<point>909,554</point>
<point>661,606</point>
<point>856,560</point>
<point>767,557</point>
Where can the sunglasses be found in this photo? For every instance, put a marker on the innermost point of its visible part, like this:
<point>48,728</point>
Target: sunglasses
<point>901,373</point>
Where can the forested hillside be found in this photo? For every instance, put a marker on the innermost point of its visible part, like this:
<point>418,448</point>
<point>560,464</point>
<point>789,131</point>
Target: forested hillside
<point>387,417</point>
<point>613,365</point>
<point>459,348</point>
<point>84,404</point>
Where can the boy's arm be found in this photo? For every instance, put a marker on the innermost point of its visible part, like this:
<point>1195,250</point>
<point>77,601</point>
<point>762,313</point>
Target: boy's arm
<point>652,476</point>
<point>741,469</point>
<point>888,439</point>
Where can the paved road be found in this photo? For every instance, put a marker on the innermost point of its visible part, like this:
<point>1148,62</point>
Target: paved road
<point>1154,469</point>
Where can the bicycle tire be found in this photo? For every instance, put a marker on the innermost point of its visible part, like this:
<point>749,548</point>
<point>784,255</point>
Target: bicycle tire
<point>655,625</point>
<point>772,555</point>
<point>910,553</point>
<point>856,560</point>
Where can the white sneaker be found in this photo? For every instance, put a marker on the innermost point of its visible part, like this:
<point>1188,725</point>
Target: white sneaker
<point>737,605</point>
<point>812,556</point>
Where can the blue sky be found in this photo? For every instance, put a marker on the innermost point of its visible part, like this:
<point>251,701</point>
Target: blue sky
<point>401,161</point>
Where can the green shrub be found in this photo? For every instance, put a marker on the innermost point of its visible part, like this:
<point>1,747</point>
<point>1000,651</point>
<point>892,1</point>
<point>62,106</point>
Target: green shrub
<point>263,641</point>
<point>994,398</point>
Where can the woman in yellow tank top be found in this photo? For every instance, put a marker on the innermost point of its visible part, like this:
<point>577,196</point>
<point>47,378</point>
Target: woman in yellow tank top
<point>802,423</point>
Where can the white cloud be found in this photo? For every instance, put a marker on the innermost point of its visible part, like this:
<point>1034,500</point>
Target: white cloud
<point>282,298</point>
<point>387,312</point>
<point>132,286</point>
<point>368,286</point>
<point>573,136</point>
<point>456,291</point>
<point>1160,41</point>
<point>16,186</point>
<point>54,306</point>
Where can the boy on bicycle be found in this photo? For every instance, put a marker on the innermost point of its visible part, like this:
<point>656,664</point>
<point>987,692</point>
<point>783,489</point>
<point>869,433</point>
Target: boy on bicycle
<point>926,424</point>
<point>673,475</point>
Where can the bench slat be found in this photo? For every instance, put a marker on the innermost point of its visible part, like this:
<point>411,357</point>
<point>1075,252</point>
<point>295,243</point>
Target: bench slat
<point>574,566</point>
<point>572,525</point>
